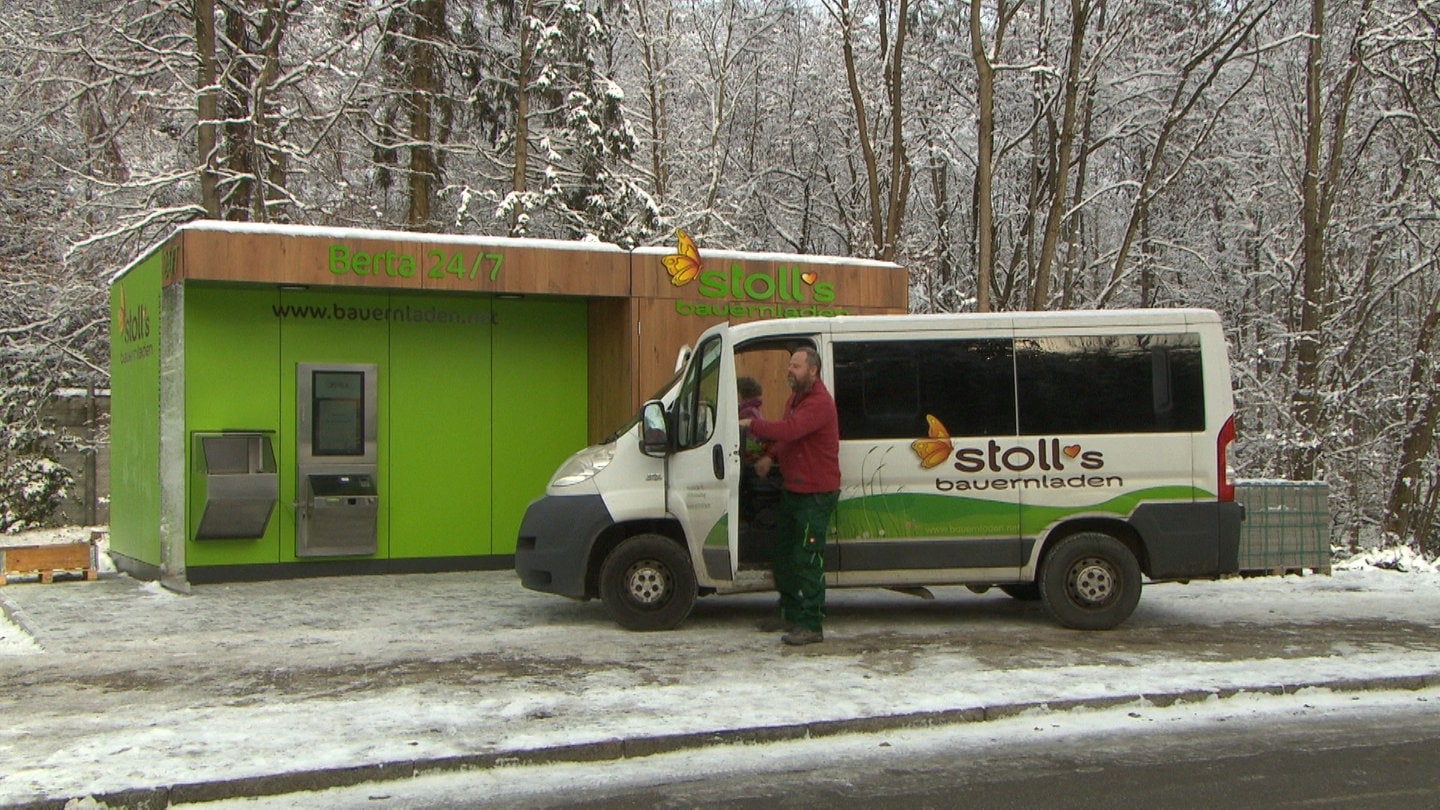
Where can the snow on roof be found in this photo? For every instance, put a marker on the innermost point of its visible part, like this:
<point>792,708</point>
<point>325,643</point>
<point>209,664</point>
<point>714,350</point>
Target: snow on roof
<point>707,254</point>
<point>329,232</point>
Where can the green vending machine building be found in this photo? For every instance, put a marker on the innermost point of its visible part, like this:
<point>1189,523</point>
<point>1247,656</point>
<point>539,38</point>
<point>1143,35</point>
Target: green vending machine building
<point>294,401</point>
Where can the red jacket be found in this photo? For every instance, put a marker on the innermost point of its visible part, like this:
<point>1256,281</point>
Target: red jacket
<point>806,441</point>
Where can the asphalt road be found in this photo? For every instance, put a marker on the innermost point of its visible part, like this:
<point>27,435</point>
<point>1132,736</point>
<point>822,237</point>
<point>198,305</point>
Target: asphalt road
<point>1285,752</point>
<point>1358,761</point>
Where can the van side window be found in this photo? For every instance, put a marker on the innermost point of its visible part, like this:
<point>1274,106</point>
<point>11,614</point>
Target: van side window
<point>699,396</point>
<point>1110,384</point>
<point>885,388</point>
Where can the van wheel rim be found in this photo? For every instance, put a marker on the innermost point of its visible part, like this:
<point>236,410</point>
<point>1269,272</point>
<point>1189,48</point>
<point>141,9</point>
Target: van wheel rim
<point>1092,581</point>
<point>647,582</point>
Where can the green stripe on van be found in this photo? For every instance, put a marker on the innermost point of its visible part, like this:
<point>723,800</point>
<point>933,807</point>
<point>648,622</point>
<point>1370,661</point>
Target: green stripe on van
<point>719,533</point>
<point>910,514</point>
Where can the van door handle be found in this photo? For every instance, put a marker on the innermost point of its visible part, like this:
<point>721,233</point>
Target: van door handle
<point>718,458</point>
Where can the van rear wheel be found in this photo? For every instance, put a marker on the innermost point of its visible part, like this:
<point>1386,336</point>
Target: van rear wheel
<point>1090,581</point>
<point>647,583</point>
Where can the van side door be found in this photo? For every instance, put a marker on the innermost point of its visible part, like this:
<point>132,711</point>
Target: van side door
<point>923,419</point>
<point>760,369</point>
<point>703,473</point>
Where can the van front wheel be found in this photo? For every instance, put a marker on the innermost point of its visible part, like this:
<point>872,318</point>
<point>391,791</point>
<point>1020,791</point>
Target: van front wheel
<point>647,583</point>
<point>1090,581</point>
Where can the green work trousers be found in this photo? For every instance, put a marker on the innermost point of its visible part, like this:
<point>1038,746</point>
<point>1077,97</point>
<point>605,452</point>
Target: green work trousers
<point>801,523</point>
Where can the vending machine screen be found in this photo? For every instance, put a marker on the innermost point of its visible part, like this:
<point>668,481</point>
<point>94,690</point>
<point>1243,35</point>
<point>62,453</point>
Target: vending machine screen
<point>338,410</point>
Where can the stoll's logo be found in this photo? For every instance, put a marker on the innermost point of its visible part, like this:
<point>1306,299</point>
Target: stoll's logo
<point>131,325</point>
<point>788,292</point>
<point>1048,466</point>
<point>130,340</point>
<point>1048,455</point>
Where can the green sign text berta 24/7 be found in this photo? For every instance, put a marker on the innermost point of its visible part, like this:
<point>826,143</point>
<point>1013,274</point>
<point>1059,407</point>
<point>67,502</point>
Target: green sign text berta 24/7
<point>438,264</point>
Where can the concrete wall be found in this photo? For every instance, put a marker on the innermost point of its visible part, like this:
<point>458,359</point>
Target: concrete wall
<point>83,416</point>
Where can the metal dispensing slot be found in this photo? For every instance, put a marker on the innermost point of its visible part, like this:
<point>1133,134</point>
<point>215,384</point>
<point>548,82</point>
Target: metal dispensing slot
<point>337,498</point>
<point>341,513</point>
<point>236,482</point>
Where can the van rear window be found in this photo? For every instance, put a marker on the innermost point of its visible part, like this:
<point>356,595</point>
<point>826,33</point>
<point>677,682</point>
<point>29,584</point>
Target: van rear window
<point>1110,384</point>
<point>1093,384</point>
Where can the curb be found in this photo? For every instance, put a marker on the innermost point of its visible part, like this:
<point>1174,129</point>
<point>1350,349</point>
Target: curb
<point>155,798</point>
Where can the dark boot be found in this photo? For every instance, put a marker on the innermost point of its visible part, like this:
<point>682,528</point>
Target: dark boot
<point>774,624</point>
<point>803,635</point>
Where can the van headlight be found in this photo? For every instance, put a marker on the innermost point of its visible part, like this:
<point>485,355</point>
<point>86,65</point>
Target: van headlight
<point>583,465</point>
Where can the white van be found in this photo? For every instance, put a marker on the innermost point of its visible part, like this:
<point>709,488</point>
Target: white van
<point>1061,456</point>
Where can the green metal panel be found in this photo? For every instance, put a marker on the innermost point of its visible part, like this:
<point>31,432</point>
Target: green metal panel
<point>479,402</point>
<point>1287,526</point>
<point>232,342</point>
<point>329,326</point>
<point>439,469</point>
<point>135,410</point>
<point>540,403</point>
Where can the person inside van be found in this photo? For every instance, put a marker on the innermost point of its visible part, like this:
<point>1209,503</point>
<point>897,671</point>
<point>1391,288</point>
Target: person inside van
<point>751,400</point>
<point>805,442</point>
<point>751,397</point>
<point>758,496</point>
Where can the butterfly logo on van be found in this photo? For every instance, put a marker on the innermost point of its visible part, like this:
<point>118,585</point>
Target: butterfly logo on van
<point>933,450</point>
<point>683,265</point>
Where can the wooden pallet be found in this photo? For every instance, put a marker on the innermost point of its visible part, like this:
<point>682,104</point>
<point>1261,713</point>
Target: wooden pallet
<point>48,560</point>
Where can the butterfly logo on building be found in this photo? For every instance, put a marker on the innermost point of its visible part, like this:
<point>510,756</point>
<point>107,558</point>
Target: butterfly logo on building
<point>684,265</point>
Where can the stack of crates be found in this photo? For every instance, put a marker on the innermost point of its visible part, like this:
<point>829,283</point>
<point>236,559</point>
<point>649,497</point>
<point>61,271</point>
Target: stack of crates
<point>1286,527</point>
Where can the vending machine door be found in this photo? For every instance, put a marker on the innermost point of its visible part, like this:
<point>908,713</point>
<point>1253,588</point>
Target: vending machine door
<point>337,494</point>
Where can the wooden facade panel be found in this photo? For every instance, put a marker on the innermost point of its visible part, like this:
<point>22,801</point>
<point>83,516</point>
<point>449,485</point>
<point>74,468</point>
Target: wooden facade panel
<point>648,276</point>
<point>211,255</point>
<point>524,267</point>
<point>611,373</point>
<point>884,292</point>
<point>768,369</point>
<point>638,318</point>
<point>659,335</point>
<point>314,258</point>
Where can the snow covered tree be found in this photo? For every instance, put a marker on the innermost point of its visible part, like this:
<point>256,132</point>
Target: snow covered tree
<point>565,137</point>
<point>884,163</point>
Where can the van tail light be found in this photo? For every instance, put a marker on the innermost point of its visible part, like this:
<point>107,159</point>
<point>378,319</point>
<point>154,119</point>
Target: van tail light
<point>1222,471</point>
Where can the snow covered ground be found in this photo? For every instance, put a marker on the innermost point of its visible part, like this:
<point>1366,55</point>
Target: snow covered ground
<point>1032,736</point>
<point>117,685</point>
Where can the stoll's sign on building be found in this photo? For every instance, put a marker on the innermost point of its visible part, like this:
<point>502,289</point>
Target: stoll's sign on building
<point>790,291</point>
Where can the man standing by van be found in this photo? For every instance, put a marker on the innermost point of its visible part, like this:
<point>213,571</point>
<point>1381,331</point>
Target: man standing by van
<point>806,443</point>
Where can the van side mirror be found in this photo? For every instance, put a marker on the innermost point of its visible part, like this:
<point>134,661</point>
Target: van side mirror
<point>654,429</point>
